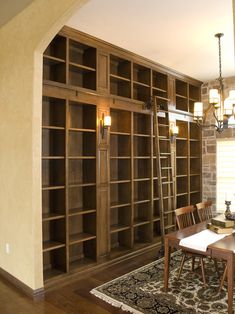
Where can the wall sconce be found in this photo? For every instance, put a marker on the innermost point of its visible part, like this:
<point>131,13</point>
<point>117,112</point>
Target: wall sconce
<point>105,123</point>
<point>174,131</point>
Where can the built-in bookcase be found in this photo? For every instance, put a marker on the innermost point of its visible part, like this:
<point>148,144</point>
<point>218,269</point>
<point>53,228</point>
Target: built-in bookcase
<point>188,163</point>
<point>70,62</point>
<point>186,94</point>
<point>100,191</point>
<point>69,185</point>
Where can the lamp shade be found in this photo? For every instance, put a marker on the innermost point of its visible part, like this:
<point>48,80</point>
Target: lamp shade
<point>198,110</point>
<point>107,121</point>
<point>214,96</point>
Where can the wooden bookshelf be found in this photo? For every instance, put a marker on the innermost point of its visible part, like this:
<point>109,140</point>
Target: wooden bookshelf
<point>100,193</point>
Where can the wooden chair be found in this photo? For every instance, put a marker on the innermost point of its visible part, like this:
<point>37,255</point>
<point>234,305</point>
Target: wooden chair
<point>204,210</point>
<point>185,218</point>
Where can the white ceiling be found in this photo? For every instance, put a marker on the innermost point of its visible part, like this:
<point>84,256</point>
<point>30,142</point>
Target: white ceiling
<point>176,33</point>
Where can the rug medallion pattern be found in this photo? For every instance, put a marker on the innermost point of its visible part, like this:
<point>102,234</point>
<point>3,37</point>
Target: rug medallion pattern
<point>141,291</point>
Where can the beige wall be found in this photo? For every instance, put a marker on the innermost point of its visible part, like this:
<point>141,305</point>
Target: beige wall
<point>23,39</point>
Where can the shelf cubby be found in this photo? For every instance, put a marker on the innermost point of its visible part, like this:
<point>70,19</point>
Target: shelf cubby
<point>78,144</point>
<point>82,254</point>
<point>120,169</point>
<point>142,124</point>
<point>53,173</point>
<point>142,233</point>
<point>53,142</point>
<point>195,197</point>
<point>120,242</point>
<point>120,145</point>
<point>182,185</point>
<point>53,204</point>
<point>195,183</point>
<point>142,146</point>
<point>82,228</point>
<point>181,148</point>
<point>81,171</point>
<point>142,190</point>
<point>54,263</point>
<point>195,149</point>
<point>182,200</point>
<point>53,112</point>
<point>194,131</point>
<point>120,194</point>
<point>159,84</point>
<point>81,198</point>
<point>181,167</point>
<point>54,70</point>
<point>82,54</point>
<point>120,218</point>
<point>142,213</point>
<point>82,116</point>
<point>142,168</point>
<point>121,121</point>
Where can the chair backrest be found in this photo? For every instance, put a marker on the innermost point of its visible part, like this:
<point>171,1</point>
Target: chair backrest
<point>204,210</point>
<point>184,216</point>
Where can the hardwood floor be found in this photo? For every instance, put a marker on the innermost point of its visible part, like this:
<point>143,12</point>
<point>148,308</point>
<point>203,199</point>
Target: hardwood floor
<point>72,298</point>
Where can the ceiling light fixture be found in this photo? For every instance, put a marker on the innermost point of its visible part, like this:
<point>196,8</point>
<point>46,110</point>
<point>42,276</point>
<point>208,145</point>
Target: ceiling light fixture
<point>222,108</point>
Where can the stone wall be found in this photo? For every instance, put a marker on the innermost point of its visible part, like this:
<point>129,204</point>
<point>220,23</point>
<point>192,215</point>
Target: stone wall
<point>209,137</point>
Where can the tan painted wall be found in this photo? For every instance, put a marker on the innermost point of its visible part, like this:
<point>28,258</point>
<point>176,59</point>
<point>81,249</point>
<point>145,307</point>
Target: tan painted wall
<point>23,39</point>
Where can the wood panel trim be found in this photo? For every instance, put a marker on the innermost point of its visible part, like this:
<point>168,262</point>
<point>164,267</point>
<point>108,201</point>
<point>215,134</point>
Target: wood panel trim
<point>34,294</point>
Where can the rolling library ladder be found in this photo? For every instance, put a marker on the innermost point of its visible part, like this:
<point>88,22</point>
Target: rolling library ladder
<point>163,164</point>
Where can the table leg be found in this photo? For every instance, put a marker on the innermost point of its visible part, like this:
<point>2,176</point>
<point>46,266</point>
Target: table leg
<point>166,264</point>
<point>230,272</point>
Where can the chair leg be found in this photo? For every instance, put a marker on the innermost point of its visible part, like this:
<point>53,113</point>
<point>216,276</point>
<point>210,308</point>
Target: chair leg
<point>203,270</point>
<point>223,278</point>
<point>216,267</point>
<point>181,265</point>
<point>193,263</point>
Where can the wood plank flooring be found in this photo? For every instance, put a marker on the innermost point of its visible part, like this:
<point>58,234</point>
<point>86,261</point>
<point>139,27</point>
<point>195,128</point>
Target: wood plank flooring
<point>72,298</point>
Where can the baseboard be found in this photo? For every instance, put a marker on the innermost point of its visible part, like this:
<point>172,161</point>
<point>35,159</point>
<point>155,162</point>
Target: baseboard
<point>34,294</point>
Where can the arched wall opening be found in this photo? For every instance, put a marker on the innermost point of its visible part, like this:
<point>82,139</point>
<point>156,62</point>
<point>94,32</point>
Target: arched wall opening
<point>23,40</point>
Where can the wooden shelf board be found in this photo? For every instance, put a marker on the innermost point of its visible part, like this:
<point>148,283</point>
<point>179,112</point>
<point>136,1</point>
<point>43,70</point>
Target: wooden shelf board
<point>55,187</point>
<point>141,84</point>
<point>141,157</point>
<point>82,130</point>
<point>181,157</point>
<point>120,133</point>
<point>181,175</point>
<point>182,194</point>
<point>118,228</point>
<point>73,185</point>
<point>181,96</point>
<point>116,205</point>
<point>169,196</point>
<point>52,273</point>
<point>160,90</point>
<point>170,226</point>
<point>52,216</point>
<point>156,218</point>
<point>120,157</point>
<point>51,127</point>
<point>141,135</point>
<point>119,78</point>
<point>81,264</point>
<point>194,157</point>
<point>195,191</point>
<point>181,138</point>
<point>195,174</point>
<point>120,181</point>
<point>194,140</point>
<point>139,222</point>
<point>141,201</point>
<point>80,211</point>
<point>52,157</point>
<point>119,251</point>
<point>81,157</point>
<point>82,67</point>
<point>52,60</point>
<point>52,245</point>
<point>141,179</point>
<point>80,237</point>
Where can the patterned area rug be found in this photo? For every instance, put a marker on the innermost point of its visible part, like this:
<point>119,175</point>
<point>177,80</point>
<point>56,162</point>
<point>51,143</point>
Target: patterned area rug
<point>141,291</point>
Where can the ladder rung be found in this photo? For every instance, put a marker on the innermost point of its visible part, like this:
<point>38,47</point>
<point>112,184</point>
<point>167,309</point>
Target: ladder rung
<point>167,182</point>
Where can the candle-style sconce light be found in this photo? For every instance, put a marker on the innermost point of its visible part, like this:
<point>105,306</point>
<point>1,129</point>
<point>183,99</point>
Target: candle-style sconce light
<point>105,123</point>
<point>174,131</point>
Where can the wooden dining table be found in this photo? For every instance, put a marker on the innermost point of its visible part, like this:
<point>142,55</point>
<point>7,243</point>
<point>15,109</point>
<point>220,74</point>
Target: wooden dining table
<point>223,249</point>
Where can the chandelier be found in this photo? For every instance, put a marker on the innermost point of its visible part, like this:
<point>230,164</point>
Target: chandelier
<point>222,108</point>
